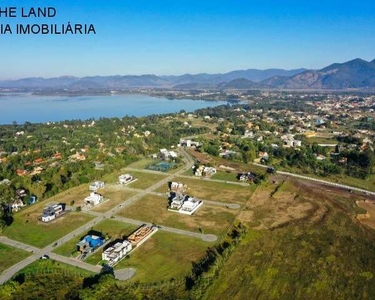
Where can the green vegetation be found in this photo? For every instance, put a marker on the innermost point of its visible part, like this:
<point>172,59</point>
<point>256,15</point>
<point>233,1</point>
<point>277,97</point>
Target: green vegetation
<point>116,195</point>
<point>145,180</point>
<point>208,218</point>
<point>164,256</point>
<point>45,279</point>
<point>28,229</point>
<point>217,191</point>
<point>9,256</point>
<point>302,262</point>
<point>227,176</point>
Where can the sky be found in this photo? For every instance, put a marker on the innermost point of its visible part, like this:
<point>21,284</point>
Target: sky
<point>177,37</point>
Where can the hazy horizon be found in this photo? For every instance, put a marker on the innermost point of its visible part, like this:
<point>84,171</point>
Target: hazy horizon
<point>179,37</point>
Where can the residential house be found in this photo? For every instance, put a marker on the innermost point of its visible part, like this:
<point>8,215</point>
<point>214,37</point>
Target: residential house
<point>93,199</point>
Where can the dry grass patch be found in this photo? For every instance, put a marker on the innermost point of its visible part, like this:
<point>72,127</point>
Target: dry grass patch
<point>368,218</point>
<point>273,206</point>
<point>215,191</point>
<point>207,219</point>
<point>116,195</point>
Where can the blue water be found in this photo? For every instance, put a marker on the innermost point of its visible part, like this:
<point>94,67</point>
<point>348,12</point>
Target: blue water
<point>36,109</point>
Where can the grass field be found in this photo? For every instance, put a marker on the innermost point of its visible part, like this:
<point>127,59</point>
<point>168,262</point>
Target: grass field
<point>76,194</point>
<point>215,191</point>
<point>117,194</point>
<point>367,184</point>
<point>9,256</point>
<point>141,164</point>
<point>330,259</point>
<point>322,140</point>
<point>208,218</point>
<point>368,216</point>
<point>145,180</point>
<point>272,206</point>
<point>227,176</point>
<point>110,228</point>
<point>28,229</point>
<point>44,266</point>
<point>164,256</point>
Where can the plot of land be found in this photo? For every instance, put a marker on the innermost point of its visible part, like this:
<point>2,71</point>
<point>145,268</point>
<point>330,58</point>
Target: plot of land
<point>145,180</point>
<point>9,256</point>
<point>215,191</point>
<point>28,229</point>
<point>116,195</point>
<point>109,228</point>
<point>141,164</point>
<point>274,205</point>
<point>164,256</point>
<point>207,219</point>
<point>227,176</point>
<point>76,194</point>
<point>368,218</point>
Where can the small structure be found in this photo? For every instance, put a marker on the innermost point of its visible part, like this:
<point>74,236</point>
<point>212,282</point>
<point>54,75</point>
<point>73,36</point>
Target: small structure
<point>17,205</point>
<point>52,212</point>
<point>20,193</point>
<point>126,179</point>
<point>33,199</point>
<point>246,176</point>
<point>167,155</point>
<point>96,185</point>
<point>184,204</point>
<point>89,244</point>
<point>93,199</point>
<point>142,234</point>
<point>117,252</point>
<point>203,171</point>
<point>188,143</point>
<point>176,186</point>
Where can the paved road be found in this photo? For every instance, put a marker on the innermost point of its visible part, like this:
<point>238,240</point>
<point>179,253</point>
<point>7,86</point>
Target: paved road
<point>325,182</point>
<point>18,245</point>
<point>204,237</point>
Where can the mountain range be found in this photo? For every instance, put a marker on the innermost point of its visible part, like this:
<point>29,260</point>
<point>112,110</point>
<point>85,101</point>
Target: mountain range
<point>354,74</point>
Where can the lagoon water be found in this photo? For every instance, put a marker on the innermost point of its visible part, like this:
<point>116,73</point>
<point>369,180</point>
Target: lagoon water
<point>37,109</point>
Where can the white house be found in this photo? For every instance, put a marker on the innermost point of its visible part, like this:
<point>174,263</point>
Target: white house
<point>117,252</point>
<point>96,185</point>
<point>184,204</point>
<point>125,178</point>
<point>51,212</point>
<point>166,154</point>
<point>17,205</point>
<point>204,171</point>
<point>190,205</point>
<point>93,199</point>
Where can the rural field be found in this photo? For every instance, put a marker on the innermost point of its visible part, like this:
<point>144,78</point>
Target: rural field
<point>368,217</point>
<point>76,194</point>
<point>207,219</point>
<point>311,227</point>
<point>116,195</point>
<point>145,180</point>
<point>109,228</point>
<point>9,256</point>
<point>28,229</point>
<point>273,205</point>
<point>164,256</point>
<point>215,191</point>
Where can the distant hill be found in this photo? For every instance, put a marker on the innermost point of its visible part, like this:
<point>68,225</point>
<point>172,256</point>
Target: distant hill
<point>242,83</point>
<point>186,81</point>
<point>356,73</point>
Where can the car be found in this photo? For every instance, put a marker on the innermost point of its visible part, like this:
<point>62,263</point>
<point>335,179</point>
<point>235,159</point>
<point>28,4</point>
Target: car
<point>45,256</point>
